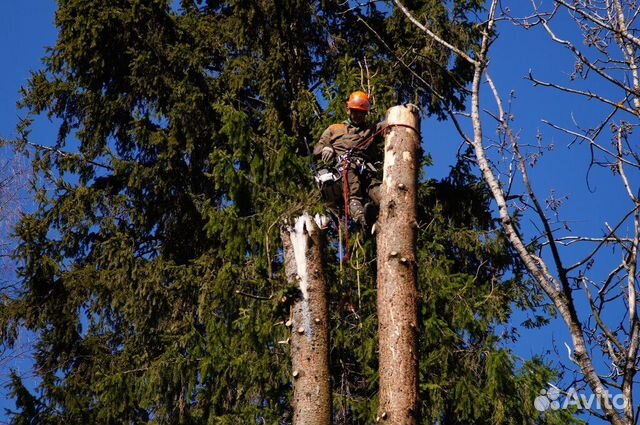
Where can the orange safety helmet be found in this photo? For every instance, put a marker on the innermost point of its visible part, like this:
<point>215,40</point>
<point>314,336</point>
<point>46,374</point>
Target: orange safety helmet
<point>358,100</point>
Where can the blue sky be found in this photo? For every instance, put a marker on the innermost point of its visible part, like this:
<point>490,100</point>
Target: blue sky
<point>25,30</point>
<point>27,27</point>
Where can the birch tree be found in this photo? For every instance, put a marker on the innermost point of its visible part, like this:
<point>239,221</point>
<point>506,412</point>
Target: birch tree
<point>598,309</point>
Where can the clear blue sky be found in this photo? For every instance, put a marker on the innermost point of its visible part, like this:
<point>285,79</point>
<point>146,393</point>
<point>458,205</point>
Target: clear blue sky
<point>27,27</point>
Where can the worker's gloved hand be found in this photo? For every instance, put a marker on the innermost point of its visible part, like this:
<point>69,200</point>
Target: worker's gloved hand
<point>327,153</point>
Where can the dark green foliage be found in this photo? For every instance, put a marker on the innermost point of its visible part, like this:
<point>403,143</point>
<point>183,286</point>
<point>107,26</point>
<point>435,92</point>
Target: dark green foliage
<point>30,409</point>
<point>151,270</point>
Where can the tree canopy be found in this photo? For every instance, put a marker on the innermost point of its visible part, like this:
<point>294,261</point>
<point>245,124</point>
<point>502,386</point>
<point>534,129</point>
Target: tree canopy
<point>151,269</point>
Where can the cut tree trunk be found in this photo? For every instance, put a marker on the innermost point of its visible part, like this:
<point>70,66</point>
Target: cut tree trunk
<point>397,294</point>
<point>304,245</point>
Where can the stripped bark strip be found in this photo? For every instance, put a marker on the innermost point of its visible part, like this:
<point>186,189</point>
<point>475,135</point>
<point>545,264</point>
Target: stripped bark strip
<point>303,245</point>
<point>397,293</point>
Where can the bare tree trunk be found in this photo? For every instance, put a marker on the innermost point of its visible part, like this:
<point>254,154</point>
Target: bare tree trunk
<point>397,293</point>
<point>304,265</point>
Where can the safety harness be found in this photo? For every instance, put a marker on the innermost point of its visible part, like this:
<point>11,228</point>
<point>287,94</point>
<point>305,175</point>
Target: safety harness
<point>324,176</point>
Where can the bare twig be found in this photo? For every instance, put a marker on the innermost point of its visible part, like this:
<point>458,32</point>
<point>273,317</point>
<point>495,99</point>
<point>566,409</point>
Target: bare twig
<point>433,36</point>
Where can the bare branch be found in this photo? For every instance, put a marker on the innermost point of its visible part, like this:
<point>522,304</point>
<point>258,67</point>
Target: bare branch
<point>58,152</point>
<point>432,35</point>
<point>621,170</point>
<point>568,240</point>
<point>630,366</point>
<point>612,233</point>
<point>623,32</point>
<point>592,143</point>
<point>255,297</point>
<point>583,59</point>
<point>602,292</point>
<point>587,94</point>
<point>610,336</point>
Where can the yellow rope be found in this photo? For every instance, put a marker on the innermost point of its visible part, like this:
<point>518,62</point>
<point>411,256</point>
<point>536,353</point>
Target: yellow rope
<point>356,254</point>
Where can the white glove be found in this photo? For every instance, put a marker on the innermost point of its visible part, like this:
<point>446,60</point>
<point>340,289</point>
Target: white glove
<point>327,153</point>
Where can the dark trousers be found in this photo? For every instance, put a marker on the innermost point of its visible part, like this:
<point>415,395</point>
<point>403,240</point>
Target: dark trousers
<point>360,186</point>
<point>356,183</point>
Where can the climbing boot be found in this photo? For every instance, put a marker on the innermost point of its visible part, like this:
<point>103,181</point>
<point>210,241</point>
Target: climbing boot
<point>357,213</point>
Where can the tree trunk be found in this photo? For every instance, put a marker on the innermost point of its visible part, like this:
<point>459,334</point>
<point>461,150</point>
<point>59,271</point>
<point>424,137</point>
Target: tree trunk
<point>304,245</point>
<point>397,293</point>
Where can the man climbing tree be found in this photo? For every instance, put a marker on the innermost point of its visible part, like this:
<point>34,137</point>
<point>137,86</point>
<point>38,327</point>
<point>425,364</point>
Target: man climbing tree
<point>351,144</point>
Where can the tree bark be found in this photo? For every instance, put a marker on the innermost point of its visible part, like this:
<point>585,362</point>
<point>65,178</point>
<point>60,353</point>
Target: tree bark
<point>397,293</point>
<point>304,244</point>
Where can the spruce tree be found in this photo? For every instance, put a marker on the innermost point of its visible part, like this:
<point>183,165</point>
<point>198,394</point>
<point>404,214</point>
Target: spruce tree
<point>151,269</point>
